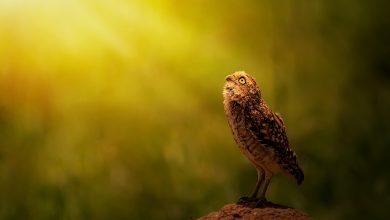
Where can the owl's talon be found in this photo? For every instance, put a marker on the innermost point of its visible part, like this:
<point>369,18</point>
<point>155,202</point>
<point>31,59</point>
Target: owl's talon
<point>261,203</point>
<point>243,200</point>
<point>247,200</point>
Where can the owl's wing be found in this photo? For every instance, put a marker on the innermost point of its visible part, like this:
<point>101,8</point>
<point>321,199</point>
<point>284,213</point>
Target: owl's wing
<point>270,130</point>
<point>271,133</point>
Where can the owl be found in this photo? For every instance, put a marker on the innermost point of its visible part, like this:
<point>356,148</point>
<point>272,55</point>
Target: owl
<point>259,133</point>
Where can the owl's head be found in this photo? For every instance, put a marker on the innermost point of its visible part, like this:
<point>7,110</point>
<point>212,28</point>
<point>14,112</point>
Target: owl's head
<point>240,87</point>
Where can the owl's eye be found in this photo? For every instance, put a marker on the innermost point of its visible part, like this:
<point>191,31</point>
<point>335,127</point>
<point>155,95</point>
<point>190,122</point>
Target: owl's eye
<point>242,80</point>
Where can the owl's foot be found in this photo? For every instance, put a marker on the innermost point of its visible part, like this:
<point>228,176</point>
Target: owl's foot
<point>252,202</point>
<point>261,203</point>
<point>245,200</point>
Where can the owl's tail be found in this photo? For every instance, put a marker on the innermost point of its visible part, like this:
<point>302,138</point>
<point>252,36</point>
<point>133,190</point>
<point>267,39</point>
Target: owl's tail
<point>289,164</point>
<point>296,172</point>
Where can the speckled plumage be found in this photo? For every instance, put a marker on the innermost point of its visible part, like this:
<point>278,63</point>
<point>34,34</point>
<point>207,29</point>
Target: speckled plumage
<point>259,132</point>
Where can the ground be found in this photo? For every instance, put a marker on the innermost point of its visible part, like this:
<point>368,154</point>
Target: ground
<point>254,211</point>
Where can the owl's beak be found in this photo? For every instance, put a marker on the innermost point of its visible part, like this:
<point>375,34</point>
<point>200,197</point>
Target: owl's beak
<point>229,78</point>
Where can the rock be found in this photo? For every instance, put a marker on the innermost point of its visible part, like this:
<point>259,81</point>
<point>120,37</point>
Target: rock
<point>264,211</point>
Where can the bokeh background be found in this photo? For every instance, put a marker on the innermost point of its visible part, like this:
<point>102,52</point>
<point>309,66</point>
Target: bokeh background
<point>113,109</point>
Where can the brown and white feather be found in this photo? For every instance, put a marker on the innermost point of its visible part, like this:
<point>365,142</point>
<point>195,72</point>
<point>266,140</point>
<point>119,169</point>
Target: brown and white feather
<point>259,132</point>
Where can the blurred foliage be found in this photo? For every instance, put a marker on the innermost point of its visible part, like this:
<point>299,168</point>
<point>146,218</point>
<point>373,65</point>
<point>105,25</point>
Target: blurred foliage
<point>113,109</point>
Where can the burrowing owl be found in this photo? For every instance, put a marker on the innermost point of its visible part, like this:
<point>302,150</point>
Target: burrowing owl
<point>259,132</point>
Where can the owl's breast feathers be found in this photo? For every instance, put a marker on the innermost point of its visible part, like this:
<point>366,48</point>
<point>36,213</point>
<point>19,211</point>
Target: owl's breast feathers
<point>268,128</point>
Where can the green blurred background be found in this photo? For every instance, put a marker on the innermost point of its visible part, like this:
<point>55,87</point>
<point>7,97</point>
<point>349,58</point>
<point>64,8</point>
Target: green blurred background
<point>113,109</point>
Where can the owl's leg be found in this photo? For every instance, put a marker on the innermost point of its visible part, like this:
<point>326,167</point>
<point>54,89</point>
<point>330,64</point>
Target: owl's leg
<point>260,179</point>
<point>252,200</point>
<point>268,177</point>
<point>262,200</point>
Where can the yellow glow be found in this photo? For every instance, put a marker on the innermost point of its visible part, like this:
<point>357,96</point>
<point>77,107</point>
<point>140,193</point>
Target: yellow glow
<point>72,36</point>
